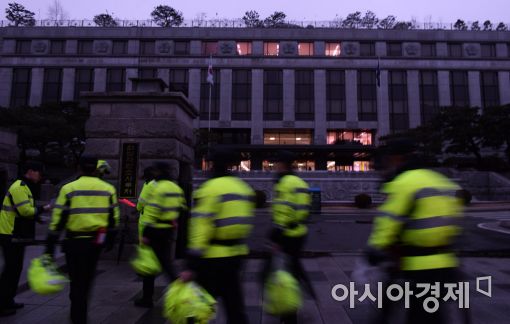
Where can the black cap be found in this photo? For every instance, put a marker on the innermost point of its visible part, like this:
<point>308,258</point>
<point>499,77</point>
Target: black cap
<point>88,163</point>
<point>34,166</point>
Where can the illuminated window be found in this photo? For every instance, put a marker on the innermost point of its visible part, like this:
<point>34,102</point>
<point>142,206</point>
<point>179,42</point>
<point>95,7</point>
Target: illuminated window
<point>288,137</point>
<point>305,49</point>
<point>243,48</point>
<point>333,49</point>
<point>338,137</point>
<point>271,49</point>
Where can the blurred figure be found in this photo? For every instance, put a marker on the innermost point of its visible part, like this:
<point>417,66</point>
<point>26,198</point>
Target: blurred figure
<point>148,282</point>
<point>221,221</point>
<point>416,227</point>
<point>163,205</point>
<point>17,223</point>
<point>291,206</point>
<point>87,209</point>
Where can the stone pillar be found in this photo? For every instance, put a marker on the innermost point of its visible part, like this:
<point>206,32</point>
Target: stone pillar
<point>504,87</point>
<point>164,74</point>
<point>71,46</point>
<point>289,98</point>
<point>257,48</point>
<point>502,50</point>
<point>380,49</point>
<point>443,80</point>
<point>68,82</point>
<point>475,92</point>
<point>195,47</point>
<point>442,49</point>
<point>130,73</point>
<point>257,108</point>
<point>351,95</point>
<point>36,88</point>
<point>133,47</point>
<point>6,79</point>
<point>413,96</point>
<point>320,107</point>
<point>319,48</point>
<point>226,95</point>
<point>383,111</point>
<point>99,80</point>
<point>194,87</point>
<point>9,46</point>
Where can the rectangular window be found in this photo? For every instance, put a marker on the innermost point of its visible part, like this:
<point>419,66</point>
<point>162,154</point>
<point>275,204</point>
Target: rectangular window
<point>23,46</point>
<point>304,95</point>
<point>490,88</point>
<point>366,49</point>
<point>367,96</point>
<point>119,47</point>
<point>455,50</point>
<point>115,80</point>
<point>305,49</point>
<point>459,88</point>
<point>273,95</point>
<point>52,86</point>
<point>57,47</point>
<point>243,48</point>
<point>394,49</point>
<point>399,113</point>
<point>21,81</point>
<point>181,48</point>
<point>209,48</point>
<point>428,49</point>
<point>488,50</point>
<point>429,96</point>
<point>333,49</point>
<point>215,96</point>
<point>241,94</point>
<point>84,82</point>
<point>345,136</point>
<point>85,47</point>
<point>179,80</point>
<point>288,136</point>
<point>147,47</point>
<point>335,95</point>
<point>147,73</point>
<point>271,48</point>
<point>232,136</point>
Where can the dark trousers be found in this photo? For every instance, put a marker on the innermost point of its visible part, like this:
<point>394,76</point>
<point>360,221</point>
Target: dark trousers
<point>161,242</point>
<point>416,313</point>
<point>221,277</point>
<point>292,247</point>
<point>82,256</point>
<point>13,265</point>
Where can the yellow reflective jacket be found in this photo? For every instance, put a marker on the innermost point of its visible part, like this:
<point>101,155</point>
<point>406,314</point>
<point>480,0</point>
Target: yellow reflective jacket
<point>163,205</point>
<point>291,205</point>
<point>421,217</point>
<point>18,202</point>
<point>221,218</point>
<point>85,205</point>
<point>142,201</point>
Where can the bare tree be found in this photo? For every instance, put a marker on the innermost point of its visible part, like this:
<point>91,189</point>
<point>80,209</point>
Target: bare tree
<point>275,20</point>
<point>200,18</point>
<point>370,20</point>
<point>57,12</point>
<point>353,20</point>
<point>388,22</point>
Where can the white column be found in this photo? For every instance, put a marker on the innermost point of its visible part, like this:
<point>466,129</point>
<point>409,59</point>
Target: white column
<point>351,95</point>
<point>413,96</point>
<point>504,87</point>
<point>100,80</point>
<point>36,88</point>
<point>257,106</point>
<point>130,73</point>
<point>226,95</point>
<point>6,79</point>
<point>194,87</point>
<point>383,111</point>
<point>475,91</point>
<point>320,107</point>
<point>68,83</point>
<point>443,80</point>
<point>289,99</point>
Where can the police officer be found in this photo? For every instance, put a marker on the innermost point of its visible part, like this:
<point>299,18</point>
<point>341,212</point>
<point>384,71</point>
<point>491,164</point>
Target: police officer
<point>17,223</point>
<point>162,207</point>
<point>145,194</point>
<point>416,226</point>
<point>87,209</point>
<point>291,206</point>
<point>221,220</point>
<point>103,168</point>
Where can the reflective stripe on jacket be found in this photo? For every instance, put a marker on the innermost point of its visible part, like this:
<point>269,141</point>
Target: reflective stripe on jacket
<point>164,202</point>
<point>85,205</point>
<point>422,216</point>
<point>18,202</point>
<point>222,218</point>
<point>291,205</point>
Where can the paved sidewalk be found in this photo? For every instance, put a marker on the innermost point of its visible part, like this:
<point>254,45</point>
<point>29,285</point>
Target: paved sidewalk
<point>117,286</point>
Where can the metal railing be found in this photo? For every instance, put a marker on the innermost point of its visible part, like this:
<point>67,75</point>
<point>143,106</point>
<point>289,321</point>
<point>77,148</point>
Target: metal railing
<point>239,23</point>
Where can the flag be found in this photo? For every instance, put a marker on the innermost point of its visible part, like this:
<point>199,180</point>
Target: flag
<point>210,76</point>
<point>378,72</point>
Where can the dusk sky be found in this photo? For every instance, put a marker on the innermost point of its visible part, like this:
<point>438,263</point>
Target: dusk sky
<point>425,10</point>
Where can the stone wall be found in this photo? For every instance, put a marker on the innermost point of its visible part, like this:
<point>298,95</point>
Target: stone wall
<point>9,157</point>
<point>483,185</point>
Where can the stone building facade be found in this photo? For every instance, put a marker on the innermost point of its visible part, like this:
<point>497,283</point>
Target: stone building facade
<point>295,88</point>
